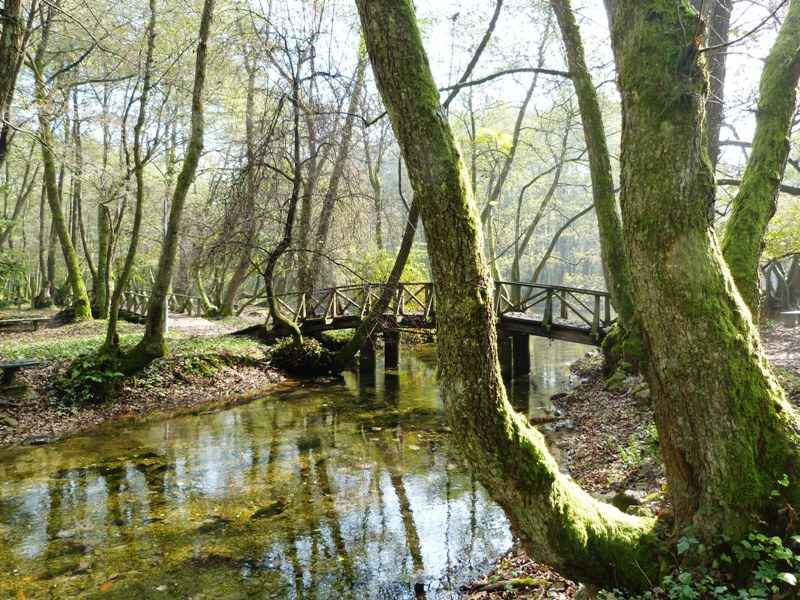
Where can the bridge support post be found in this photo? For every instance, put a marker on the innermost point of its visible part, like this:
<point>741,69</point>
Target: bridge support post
<point>521,354</point>
<point>366,363</point>
<point>506,356</point>
<point>391,345</point>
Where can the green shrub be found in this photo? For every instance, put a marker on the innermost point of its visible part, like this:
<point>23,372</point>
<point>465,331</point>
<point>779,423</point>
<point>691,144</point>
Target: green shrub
<point>90,379</point>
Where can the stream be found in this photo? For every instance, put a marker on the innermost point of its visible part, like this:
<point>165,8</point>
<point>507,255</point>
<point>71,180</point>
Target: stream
<point>347,489</point>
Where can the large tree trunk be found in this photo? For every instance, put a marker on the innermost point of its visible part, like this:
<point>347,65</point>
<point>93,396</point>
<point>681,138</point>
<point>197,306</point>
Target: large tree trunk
<point>558,522</point>
<point>153,344</point>
<point>727,433</point>
<point>755,203</point>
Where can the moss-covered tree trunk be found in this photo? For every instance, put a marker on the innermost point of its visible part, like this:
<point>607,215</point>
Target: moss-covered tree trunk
<point>83,309</point>
<point>153,344</point>
<point>754,204</point>
<point>558,522</point>
<point>726,432</point>
<point>615,267</point>
<point>104,248</point>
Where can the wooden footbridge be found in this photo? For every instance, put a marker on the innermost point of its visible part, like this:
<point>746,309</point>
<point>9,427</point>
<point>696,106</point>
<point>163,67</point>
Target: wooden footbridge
<point>523,309</point>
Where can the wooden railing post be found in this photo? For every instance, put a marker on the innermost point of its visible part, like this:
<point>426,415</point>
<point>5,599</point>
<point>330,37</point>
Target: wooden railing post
<point>563,305</point>
<point>596,316</point>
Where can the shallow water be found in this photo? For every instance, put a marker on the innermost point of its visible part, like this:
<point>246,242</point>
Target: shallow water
<point>351,489</point>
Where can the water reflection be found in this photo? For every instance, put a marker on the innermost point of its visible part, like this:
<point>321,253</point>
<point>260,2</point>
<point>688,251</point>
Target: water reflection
<point>346,490</point>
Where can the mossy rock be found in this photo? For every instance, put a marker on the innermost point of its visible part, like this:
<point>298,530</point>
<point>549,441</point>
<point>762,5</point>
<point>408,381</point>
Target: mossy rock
<point>618,382</point>
<point>309,360</point>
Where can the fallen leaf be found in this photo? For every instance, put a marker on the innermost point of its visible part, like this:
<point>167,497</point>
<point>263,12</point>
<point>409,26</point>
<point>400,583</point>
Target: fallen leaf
<point>106,586</point>
<point>20,595</point>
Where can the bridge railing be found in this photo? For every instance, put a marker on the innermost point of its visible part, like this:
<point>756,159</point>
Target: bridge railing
<point>409,299</point>
<point>551,303</point>
<point>136,302</point>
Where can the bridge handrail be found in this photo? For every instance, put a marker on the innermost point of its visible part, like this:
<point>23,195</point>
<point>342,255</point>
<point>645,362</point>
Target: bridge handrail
<point>555,287</point>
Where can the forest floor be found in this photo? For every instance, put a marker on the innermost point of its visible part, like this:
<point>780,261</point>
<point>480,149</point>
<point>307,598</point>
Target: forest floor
<point>607,442</point>
<point>203,366</point>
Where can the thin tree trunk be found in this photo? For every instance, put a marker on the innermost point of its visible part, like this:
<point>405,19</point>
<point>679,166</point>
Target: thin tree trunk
<point>153,344</point>
<point>13,40</point>
<point>83,309</point>
<point>560,524</point>
<point>717,14</point>
<point>247,218</point>
<point>278,319</point>
<point>77,188</point>
<point>364,330</point>
<point>537,272</point>
<point>523,239</point>
<point>309,280</point>
<point>111,344</point>
<point>22,197</point>
<point>615,267</point>
<point>755,203</point>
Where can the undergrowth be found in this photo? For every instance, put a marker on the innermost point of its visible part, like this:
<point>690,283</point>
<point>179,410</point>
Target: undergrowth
<point>758,566</point>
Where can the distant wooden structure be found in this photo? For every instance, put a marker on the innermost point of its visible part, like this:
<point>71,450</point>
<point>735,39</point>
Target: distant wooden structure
<point>523,309</point>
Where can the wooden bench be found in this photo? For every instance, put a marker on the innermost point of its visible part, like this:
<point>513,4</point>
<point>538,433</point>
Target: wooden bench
<point>17,322</point>
<point>790,318</point>
<point>10,368</point>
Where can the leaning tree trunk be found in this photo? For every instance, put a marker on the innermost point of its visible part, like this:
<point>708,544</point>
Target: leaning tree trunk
<point>558,522</point>
<point>279,321</point>
<point>153,344</point>
<point>367,325</point>
<point>726,431</point>
<point>755,203</point>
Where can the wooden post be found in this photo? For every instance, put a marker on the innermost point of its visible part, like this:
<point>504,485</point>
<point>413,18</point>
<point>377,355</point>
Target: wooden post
<point>522,355</point>
<point>391,344</point>
<point>505,354</point>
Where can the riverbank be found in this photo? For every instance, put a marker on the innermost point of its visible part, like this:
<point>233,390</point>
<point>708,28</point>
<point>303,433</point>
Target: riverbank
<point>608,445</point>
<point>203,367</point>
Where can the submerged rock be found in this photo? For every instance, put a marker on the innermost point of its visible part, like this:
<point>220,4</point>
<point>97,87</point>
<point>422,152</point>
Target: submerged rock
<point>272,509</point>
